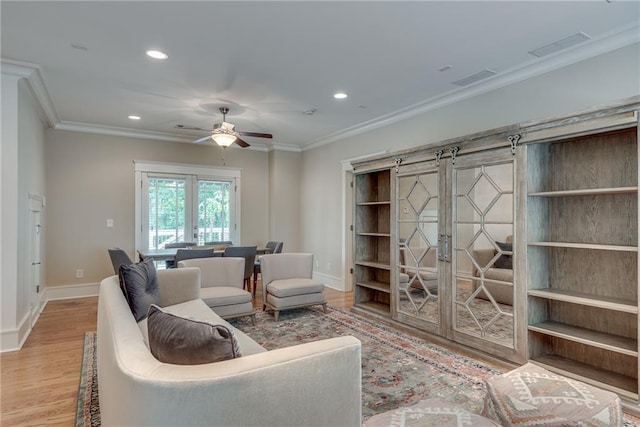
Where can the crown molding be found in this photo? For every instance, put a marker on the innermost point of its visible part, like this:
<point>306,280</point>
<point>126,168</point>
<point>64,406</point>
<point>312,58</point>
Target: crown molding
<point>135,133</point>
<point>604,44</point>
<point>117,131</point>
<point>284,147</point>
<point>32,72</point>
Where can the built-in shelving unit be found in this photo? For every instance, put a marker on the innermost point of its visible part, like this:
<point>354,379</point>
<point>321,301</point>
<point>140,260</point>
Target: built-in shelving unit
<point>573,202</point>
<point>372,241</point>
<point>582,257</point>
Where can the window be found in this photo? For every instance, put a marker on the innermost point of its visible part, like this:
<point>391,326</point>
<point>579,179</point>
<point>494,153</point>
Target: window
<point>184,203</point>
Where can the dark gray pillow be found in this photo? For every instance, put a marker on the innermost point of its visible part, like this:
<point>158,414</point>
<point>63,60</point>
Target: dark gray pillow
<point>505,261</point>
<point>140,286</point>
<point>183,341</point>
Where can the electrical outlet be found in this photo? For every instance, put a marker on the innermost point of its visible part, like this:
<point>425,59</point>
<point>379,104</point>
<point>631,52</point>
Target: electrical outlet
<point>79,274</point>
<point>317,264</point>
<point>328,266</point>
<point>109,223</point>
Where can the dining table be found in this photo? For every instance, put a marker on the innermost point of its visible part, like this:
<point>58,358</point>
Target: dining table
<point>169,254</point>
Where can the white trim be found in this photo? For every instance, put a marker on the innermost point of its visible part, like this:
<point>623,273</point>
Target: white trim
<point>346,163</point>
<point>137,133</point>
<point>71,291</point>
<point>221,173</point>
<point>598,46</point>
<point>346,235</point>
<point>332,282</point>
<point>284,147</point>
<point>33,73</point>
<point>607,43</point>
<point>13,339</point>
<point>118,131</point>
<point>186,169</point>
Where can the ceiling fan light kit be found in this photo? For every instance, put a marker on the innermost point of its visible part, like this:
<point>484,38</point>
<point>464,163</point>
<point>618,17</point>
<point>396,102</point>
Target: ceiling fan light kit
<point>224,134</point>
<point>223,139</point>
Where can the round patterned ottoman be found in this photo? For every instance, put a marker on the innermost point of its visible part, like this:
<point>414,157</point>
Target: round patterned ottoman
<point>429,413</point>
<point>533,396</point>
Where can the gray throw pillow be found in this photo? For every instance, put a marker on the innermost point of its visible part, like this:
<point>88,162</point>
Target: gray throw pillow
<point>505,261</point>
<point>140,286</point>
<point>182,341</point>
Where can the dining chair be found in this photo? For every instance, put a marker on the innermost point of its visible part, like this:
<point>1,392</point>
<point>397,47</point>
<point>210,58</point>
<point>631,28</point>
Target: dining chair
<point>249,255</point>
<point>191,254</point>
<point>177,245</point>
<point>119,257</point>
<point>276,248</point>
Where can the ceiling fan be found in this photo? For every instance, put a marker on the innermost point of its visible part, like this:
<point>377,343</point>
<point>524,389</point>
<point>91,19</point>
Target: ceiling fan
<point>225,134</point>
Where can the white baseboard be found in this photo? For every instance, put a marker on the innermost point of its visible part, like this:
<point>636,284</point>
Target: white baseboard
<point>72,291</point>
<point>13,339</point>
<point>332,282</point>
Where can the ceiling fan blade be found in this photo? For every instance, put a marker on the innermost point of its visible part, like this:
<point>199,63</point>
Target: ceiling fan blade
<point>241,143</point>
<point>203,139</point>
<point>256,134</point>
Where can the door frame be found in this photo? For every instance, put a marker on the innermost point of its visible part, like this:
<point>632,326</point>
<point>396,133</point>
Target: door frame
<point>36,300</point>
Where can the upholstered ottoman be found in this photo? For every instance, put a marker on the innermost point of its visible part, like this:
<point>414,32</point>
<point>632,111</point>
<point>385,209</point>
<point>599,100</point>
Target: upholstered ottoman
<point>429,413</point>
<point>531,395</point>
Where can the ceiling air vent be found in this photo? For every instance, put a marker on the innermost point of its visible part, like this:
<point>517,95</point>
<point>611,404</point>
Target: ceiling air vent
<point>475,77</point>
<point>560,45</point>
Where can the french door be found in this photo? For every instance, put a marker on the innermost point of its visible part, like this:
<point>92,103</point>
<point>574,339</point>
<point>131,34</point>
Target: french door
<point>186,208</point>
<point>454,274</point>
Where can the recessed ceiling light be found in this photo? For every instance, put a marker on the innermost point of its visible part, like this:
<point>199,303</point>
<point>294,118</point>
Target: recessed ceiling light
<point>340,95</point>
<point>156,54</point>
<point>132,117</point>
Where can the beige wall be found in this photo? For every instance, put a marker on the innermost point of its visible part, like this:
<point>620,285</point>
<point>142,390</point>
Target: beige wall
<point>284,207</point>
<point>91,178</point>
<point>603,79</point>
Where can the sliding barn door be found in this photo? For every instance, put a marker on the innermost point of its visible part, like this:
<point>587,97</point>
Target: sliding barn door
<point>483,207</point>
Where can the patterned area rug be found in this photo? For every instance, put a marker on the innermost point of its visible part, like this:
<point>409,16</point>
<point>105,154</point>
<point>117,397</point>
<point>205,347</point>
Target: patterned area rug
<point>397,369</point>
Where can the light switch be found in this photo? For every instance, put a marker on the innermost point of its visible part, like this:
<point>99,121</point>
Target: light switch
<point>109,223</point>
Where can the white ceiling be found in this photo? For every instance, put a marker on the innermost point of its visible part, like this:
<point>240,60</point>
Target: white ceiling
<point>270,61</point>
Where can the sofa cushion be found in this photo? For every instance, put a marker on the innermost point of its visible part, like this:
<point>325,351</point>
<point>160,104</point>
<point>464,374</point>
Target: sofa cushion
<point>140,286</point>
<point>197,309</point>
<point>505,261</point>
<point>183,341</point>
<point>296,300</point>
<point>224,295</point>
<point>502,274</point>
<point>291,287</point>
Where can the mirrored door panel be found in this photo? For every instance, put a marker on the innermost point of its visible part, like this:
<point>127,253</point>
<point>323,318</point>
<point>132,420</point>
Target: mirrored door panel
<point>483,224</point>
<point>417,267</point>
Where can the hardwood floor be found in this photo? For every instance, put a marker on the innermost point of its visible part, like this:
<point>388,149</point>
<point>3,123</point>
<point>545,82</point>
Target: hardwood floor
<point>39,383</point>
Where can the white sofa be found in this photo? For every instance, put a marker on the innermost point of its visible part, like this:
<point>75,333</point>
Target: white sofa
<point>314,384</point>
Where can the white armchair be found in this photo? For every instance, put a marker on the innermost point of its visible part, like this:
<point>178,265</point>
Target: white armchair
<point>287,282</point>
<point>221,288</point>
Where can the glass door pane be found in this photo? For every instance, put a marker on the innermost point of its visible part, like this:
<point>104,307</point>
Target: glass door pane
<point>214,216</point>
<point>166,211</point>
<point>417,269</point>
<point>482,263</point>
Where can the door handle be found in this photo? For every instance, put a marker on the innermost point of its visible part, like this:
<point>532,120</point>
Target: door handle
<point>35,263</point>
<point>446,249</point>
